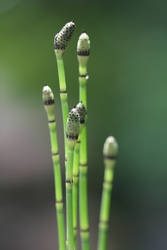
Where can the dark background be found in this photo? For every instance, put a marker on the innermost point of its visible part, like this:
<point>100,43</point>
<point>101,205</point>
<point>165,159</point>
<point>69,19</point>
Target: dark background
<point>127,92</point>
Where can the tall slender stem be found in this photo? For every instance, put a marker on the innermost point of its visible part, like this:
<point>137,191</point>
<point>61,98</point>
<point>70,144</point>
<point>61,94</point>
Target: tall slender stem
<point>69,185</point>
<point>72,133</point>
<point>63,94</point>
<point>83,51</point>
<point>83,195</point>
<point>75,190</point>
<point>110,153</point>
<point>105,205</point>
<point>49,107</point>
<point>61,40</point>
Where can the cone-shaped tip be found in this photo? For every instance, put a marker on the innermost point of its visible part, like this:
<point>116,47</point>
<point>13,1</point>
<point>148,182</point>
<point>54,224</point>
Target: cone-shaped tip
<point>72,130</point>
<point>62,38</point>
<point>83,46</point>
<point>47,95</point>
<point>82,112</point>
<point>110,149</point>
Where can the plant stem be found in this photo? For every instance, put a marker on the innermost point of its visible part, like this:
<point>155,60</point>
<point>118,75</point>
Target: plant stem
<point>58,186</point>
<point>110,151</point>
<point>49,107</point>
<point>75,190</point>
<point>105,204</point>
<point>83,196</point>
<point>63,94</point>
<point>69,186</point>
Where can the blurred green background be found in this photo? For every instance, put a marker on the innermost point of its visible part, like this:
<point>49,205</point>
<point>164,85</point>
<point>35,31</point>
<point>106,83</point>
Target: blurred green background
<point>126,98</point>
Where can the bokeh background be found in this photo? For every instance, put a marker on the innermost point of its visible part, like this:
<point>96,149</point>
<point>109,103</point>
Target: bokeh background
<point>126,98</point>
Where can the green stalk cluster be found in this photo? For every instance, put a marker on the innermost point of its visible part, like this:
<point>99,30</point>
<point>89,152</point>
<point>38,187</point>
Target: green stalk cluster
<point>75,141</point>
<point>83,51</point>
<point>48,100</point>
<point>110,154</point>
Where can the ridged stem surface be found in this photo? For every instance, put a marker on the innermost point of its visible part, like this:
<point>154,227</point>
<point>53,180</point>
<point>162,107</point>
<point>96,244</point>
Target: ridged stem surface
<point>63,95</point>
<point>83,195</point>
<point>105,204</point>
<point>75,190</point>
<point>57,181</point>
<point>69,186</point>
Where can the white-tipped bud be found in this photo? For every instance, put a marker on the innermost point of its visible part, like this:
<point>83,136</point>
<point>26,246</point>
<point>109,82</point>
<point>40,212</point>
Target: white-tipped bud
<point>48,99</point>
<point>110,149</point>
<point>47,94</point>
<point>63,37</point>
<point>72,130</point>
<point>83,49</point>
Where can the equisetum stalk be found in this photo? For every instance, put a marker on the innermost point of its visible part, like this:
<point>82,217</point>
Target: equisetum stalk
<point>82,113</point>
<point>83,51</point>
<point>72,133</point>
<point>48,99</point>
<point>60,43</point>
<point>110,153</point>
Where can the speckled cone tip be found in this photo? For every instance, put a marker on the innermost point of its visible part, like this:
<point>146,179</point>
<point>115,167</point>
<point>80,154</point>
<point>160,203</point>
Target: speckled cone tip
<point>63,37</point>
<point>73,121</point>
<point>81,111</point>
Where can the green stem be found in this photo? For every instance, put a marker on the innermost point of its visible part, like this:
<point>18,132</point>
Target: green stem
<point>75,190</point>
<point>69,186</point>
<point>57,181</point>
<point>63,94</point>
<point>83,195</point>
<point>105,204</point>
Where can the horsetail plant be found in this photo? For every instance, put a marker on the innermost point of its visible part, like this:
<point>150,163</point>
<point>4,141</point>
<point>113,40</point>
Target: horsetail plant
<point>110,154</point>
<point>83,51</point>
<point>75,140</point>
<point>48,100</point>
<point>72,133</point>
<point>61,40</point>
<point>82,113</point>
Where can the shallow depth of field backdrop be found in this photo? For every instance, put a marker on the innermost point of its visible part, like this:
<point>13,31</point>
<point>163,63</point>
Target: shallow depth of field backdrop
<point>127,93</point>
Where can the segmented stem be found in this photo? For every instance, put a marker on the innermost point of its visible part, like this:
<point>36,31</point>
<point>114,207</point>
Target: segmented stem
<point>57,180</point>
<point>83,195</point>
<point>63,94</point>
<point>69,186</point>
<point>105,204</point>
<point>75,190</point>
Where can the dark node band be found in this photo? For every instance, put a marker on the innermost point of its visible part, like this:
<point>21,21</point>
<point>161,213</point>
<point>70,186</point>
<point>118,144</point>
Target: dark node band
<point>59,47</point>
<point>84,230</point>
<point>103,222</point>
<point>59,202</point>
<point>83,164</point>
<point>78,141</point>
<point>108,182</point>
<point>51,121</point>
<point>49,102</point>
<point>76,175</point>
<point>69,181</point>
<point>82,121</point>
<point>83,52</point>
<point>110,157</point>
<point>54,154</point>
<point>72,137</point>
<point>63,91</point>
<point>83,76</point>
<point>75,228</point>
